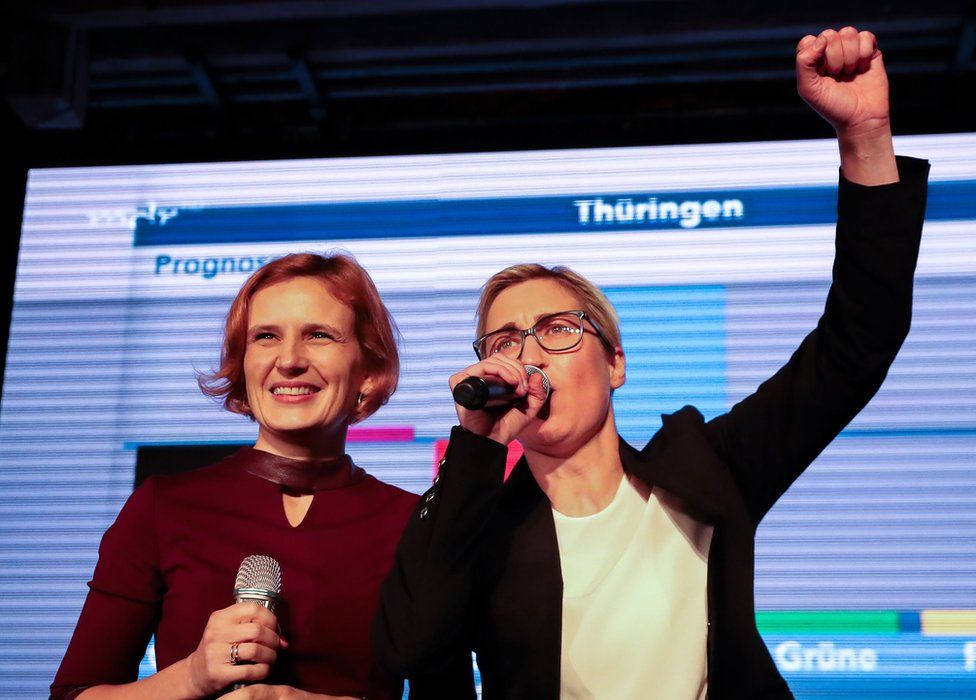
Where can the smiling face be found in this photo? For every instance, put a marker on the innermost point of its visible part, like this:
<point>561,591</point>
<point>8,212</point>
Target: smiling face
<point>303,368</point>
<point>582,378</point>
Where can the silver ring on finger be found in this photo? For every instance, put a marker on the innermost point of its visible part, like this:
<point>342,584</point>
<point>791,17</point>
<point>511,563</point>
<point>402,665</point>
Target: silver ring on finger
<point>235,657</point>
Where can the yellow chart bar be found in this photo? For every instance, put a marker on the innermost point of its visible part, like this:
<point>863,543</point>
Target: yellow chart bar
<point>948,623</point>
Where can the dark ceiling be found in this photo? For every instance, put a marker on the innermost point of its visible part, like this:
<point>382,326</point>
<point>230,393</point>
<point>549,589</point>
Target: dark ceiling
<point>129,81</point>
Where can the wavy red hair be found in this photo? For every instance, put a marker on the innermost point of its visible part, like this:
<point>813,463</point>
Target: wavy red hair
<point>376,331</point>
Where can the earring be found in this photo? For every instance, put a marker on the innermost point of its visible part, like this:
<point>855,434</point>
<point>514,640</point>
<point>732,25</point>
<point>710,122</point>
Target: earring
<point>359,397</point>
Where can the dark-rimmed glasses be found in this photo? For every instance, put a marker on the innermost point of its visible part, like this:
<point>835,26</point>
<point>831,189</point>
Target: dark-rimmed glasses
<point>556,332</point>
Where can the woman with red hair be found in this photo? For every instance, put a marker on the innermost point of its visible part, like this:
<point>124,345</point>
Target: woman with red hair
<point>309,349</point>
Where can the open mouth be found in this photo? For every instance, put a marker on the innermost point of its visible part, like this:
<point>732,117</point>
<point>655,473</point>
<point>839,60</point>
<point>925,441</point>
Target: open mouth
<point>294,390</point>
<point>294,393</point>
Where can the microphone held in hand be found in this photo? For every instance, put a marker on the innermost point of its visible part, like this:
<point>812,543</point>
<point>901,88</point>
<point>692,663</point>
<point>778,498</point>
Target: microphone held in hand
<point>258,581</point>
<point>480,393</point>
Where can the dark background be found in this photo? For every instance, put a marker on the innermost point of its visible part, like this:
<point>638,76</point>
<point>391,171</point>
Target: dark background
<point>157,460</point>
<point>98,82</point>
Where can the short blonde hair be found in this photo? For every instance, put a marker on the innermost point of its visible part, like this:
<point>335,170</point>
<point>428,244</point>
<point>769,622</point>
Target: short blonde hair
<point>594,302</point>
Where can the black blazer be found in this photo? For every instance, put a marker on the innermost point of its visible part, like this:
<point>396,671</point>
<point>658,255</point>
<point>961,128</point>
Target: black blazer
<point>478,566</point>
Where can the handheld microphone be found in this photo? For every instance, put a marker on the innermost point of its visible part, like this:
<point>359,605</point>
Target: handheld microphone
<point>258,581</point>
<point>479,393</point>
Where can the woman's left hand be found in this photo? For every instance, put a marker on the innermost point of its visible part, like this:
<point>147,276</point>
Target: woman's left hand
<point>842,76</point>
<point>279,692</point>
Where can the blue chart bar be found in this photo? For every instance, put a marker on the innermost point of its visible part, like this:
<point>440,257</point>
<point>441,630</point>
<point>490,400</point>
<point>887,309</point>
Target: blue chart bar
<point>903,665</point>
<point>517,215</point>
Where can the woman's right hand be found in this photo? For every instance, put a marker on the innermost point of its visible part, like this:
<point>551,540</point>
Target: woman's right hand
<point>502,424</point>
<point>254,629</point>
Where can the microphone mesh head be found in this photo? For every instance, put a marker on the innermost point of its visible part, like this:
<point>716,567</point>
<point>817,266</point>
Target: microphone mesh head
<point>532,369</point>
<point>259,572</point>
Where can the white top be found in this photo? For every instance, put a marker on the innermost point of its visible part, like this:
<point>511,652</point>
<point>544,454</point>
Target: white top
<point>635,609</point>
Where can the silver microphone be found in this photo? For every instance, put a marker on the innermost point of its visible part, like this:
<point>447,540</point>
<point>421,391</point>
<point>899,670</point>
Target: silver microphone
<point>532,369</point>
<point>258,581</point>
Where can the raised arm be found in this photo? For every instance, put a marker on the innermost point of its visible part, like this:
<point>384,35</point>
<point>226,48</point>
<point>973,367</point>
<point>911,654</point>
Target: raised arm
<point>770,437</point>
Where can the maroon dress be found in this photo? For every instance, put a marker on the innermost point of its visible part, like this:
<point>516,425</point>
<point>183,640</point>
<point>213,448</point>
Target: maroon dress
<point>171,557</point>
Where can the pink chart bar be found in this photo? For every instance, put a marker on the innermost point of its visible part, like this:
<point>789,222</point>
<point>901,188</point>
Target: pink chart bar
<point>391,434</point>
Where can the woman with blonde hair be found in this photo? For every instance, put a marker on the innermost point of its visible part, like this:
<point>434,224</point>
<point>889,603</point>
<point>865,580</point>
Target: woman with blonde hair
<point>598,570</point>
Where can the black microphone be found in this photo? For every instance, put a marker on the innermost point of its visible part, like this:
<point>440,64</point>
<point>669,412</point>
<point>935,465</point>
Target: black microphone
<point>480,393</point>
<point>258,581</point>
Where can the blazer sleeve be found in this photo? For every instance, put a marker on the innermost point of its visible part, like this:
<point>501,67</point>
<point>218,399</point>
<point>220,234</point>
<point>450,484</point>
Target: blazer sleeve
<point>422,630</point>
<point>123,603</point>
<point>770,437</point>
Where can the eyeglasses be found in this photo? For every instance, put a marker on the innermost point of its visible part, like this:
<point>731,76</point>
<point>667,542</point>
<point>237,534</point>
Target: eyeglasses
<point>555,332</point>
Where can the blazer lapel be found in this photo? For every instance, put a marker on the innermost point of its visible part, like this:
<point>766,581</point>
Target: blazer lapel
<point>681,461</point>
